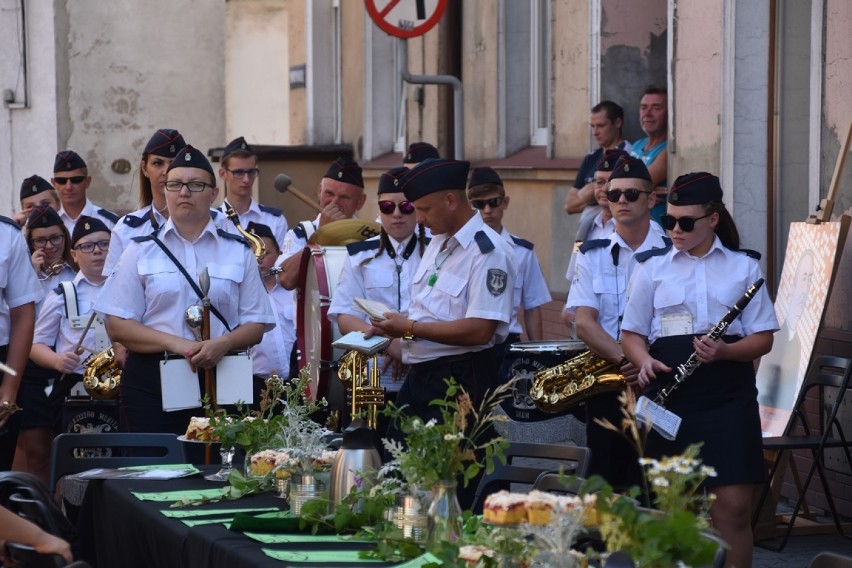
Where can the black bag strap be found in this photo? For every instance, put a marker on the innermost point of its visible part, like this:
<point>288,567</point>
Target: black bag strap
<point>189,279</point>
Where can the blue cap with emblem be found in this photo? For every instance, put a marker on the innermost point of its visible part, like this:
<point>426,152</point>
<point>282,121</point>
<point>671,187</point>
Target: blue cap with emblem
<point>34,185</point>
<point>435,175</point>
<point>609,159</point>
<point>630,168</point>
<point>189,157</point>
<point>419,151</point>
<point>240,146</point>
<point>260,230</point>
<point>43,216</point>
<point>86,226</point>
<point>391,180</point>
<point>696,188</point>
<point>484,175</point>
<point>345,170</point>
<point>68,160</point>
<point>165,142</point>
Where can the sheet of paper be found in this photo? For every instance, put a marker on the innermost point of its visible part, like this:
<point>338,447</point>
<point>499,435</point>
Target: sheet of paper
<point>180,385</point>
<point>234,379</point>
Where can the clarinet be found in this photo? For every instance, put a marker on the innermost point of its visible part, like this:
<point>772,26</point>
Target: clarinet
<point>686,369</point>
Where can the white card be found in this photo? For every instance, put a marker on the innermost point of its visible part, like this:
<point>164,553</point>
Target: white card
<point>679,324</point>
<point>179,385</point>
<point>234,379</point>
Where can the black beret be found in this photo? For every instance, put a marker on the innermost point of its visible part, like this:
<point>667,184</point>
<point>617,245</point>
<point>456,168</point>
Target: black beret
<point>86,226</point>
<point>434,175</point>
<point>189,157</point>
<point>390,180</point>
<point>165,142</point>
<point>43,216</point>
<point>345,170</point>
<point>609,159</point>
<point>696,188</point>
<point>67,161</point>
<point>34,185</point>
<point>260,230</point>
<point>237,145</point>
<point>482,176</point>
<point>630,167</point>
<point>419,151</point>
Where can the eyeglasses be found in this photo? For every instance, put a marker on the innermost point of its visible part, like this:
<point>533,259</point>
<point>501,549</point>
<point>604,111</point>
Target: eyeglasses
<point>41,242</point>
<point>387,207</point>
<point>75,180</point>
<point>686,223</point>
<point>192,186</point>
<point>89,247</point>
<point>631,195</point>
<point>493,203</point>
<point>240,174</point>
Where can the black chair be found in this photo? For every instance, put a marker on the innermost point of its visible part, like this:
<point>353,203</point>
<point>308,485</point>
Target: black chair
<point>70,452</point>
<point>825,372</point>
<point>37,513</point>
<point>574,460</point>
<point>553,482</point>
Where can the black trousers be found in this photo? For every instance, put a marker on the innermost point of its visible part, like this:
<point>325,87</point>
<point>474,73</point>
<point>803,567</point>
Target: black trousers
<point>9,431</point>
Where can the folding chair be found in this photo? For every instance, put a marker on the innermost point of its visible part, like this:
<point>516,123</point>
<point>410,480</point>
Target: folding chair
<point>37,513</point>
<point>64,461</point>
<point>575,459</point>
<point>825,372</point>
<point>552,482</point>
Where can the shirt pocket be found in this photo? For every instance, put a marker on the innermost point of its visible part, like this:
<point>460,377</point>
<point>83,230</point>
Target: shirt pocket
<point>447,292</point>
<point>225,280</point>
<point>670,300</point>
<point>160,277</point>
<point>375,277</point>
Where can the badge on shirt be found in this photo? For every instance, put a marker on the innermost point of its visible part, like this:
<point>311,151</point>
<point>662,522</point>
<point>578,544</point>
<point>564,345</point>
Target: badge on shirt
<point>678,324</point>
<point>496,281</point>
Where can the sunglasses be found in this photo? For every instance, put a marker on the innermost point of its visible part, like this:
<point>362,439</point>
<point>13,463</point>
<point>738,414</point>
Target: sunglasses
<point>387,207</point>
<point>75,180</point>
<point>686,223</point>
<point>493,203</point>
<point>631,195</point>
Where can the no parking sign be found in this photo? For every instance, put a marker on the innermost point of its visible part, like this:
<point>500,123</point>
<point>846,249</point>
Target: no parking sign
<point>406,18</point>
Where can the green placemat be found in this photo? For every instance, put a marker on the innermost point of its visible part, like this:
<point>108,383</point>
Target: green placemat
<point>177,495</point>
<point>326,557</point>
<point>273,538</point>
<point>216,521</point>
<point>187,513</point>
<point>422,560</point>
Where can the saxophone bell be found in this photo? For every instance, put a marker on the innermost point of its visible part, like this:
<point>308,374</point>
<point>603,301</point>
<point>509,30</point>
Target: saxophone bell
<point>257,244</point>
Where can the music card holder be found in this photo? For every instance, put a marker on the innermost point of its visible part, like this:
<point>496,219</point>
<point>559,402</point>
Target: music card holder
<point>179,385</point>
<point>354,340</point>
<point>665,423</point>
<point>372,308</point>
<point>234,379</point>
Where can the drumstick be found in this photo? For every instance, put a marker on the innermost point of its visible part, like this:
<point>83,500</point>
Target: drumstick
<point>80,341</point>
<point>283,184</point>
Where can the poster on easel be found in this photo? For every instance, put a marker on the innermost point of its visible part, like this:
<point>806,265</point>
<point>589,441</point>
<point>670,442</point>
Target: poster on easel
<point>810,265</point>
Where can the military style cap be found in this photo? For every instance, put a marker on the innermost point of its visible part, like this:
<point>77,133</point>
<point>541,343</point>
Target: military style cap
<point>68,160</point>
<point>696,188</point>
<point>391,180</point>
<point>165,142</point>
<point>34,185</point>
<point>609,159</point>
<point>43,216</point>
<point>345,170</point>
<point>630,167</point>
<point>237,145</point>
<point>419,151</point>
<point>482,176</point>
<point>189,157</point>
<point>434,175</point>
<point>260,230</point>
<point>86,226</point>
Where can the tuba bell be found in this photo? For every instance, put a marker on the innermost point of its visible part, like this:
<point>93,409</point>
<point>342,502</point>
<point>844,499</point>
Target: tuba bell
<point>567,384</point>
<point>102,377</point>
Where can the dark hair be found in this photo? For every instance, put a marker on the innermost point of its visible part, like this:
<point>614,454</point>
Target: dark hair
<point>655,90</point>
<point>384,243</point>
<point>613,110</point>
<point>238,154</point>
<point>66,251</point>
<point>726,229</point>
<point>146,194</point>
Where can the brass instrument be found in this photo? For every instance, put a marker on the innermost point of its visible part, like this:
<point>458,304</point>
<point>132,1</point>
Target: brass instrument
<point>257,245</point>
<point>567,384</point>
<point>361,374</point>
<point>102,377</point>
<point>53,269</point>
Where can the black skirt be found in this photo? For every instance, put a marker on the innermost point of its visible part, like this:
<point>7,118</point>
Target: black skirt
<point>718,405</point>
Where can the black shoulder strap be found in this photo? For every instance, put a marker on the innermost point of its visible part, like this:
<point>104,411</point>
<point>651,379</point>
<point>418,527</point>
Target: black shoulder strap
<point>134,221</point>
<point>233,237</point>
<point>8,221</point>
<point>593,244</point>
<point>195,288</point>
<point>299,231</point>
<point>522,242</point>
<point>752,253</point>
<point>108,215</point>
<point>484,242</point>
<point>271,210</point>
<point>361,246</point>
<point>658,251</point>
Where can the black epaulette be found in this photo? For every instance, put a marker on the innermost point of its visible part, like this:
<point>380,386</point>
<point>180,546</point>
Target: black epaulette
<point>232,236</point>
<point>299,231</point>
<point>593,244</point>
<point>214,213</point>
<point>522,242</point>
<point>144,238</point>
<point>658,251</point>
<point>484,242</point>
<point>667,241</point>
<point>59,290</point>
<point>134,221</point>
<point>361,246</point>
<point>108,215</point>
<point>752,253</point>
<point>8,221</point>
<point>271,210</point>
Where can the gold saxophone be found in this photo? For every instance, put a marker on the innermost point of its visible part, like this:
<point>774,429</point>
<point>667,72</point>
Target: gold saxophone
<point>567,384</point>
<point>257,245</point>
<point>365,382</point>
<point>102,377</point>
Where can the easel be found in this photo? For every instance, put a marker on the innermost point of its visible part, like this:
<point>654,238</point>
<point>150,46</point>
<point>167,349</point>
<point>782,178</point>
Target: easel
<point>769,518</point>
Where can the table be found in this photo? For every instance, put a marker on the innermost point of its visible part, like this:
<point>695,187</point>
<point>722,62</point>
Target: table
<point>118,529</point>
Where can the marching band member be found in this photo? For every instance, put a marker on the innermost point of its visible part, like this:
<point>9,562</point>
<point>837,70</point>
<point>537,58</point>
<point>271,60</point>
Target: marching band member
<point>71,179</point>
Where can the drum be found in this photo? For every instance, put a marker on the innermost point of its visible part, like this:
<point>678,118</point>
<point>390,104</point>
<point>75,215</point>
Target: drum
<point>319,271</point>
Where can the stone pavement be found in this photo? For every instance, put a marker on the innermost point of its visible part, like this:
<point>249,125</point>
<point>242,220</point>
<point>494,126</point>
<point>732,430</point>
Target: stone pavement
<point>800,550</point>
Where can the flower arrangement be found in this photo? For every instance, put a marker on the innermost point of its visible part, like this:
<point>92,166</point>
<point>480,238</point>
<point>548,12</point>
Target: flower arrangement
<point>456,446</point>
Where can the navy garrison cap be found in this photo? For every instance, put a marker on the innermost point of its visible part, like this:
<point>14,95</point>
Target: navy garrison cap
<point>630,167</point>
<point>43,216</point>
<point>34,185</point>
<point>696,188</point>
<point>260,230</point>
<point>484,175</point>
<point>434,175</point>
<point>165,142</point>
<point>237,145</point>
<point>68,160</point>
<point>86,226</point>
<point>345,170</point>
<point>189,157</point>
<point>391,180</point>
<point>609,159</point>
<point>419,151</point>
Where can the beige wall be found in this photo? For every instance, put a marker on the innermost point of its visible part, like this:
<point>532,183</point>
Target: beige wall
<point>296,50</point>
<point>481,73</point>
<point>570,79</point>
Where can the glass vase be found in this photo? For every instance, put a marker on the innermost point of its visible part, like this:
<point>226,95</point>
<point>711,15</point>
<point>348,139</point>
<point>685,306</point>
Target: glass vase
<point>444,515</point>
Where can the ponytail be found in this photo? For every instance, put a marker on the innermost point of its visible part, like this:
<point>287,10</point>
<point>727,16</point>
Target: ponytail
<point>726,229</point>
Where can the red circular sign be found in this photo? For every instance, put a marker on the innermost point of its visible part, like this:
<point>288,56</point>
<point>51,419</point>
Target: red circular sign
<point>406,18</point>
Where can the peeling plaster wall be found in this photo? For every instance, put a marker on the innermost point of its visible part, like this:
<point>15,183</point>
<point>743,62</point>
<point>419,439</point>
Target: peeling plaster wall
<point>837,104</point>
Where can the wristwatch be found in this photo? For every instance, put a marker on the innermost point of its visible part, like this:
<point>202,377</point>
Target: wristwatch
<point>409,335</point>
